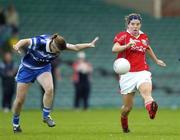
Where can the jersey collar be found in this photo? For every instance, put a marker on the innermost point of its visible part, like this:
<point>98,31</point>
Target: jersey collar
<point>47,45</point>
<point>140,32</point>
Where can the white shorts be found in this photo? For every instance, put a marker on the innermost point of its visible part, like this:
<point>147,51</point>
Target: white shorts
<point>131,81</point>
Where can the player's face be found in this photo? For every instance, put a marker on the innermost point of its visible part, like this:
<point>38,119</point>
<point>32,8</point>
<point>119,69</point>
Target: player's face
<point>134,27</point>
<point>53,47</point>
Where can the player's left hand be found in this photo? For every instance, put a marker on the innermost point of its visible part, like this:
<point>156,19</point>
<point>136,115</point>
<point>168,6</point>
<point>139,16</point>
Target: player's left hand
<point>161,63</point>
<point>17,49</point>
<point>93,43</point>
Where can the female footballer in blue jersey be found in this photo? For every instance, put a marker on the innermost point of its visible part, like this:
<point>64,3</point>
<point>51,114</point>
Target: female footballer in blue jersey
<point>35,65</point>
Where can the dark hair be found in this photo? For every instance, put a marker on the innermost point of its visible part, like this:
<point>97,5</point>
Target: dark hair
<point>131,17</point>
<point>59,41</point>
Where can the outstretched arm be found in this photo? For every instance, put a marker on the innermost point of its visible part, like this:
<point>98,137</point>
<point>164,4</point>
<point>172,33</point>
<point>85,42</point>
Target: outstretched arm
<point>77,47</point>
<point>154,58</point>
<point>21,43</point>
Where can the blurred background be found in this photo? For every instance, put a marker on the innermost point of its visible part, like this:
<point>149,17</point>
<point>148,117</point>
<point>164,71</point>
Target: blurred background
<point>80,21</point>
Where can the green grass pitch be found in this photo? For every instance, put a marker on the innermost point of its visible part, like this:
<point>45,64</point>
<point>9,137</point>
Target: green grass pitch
<point>94,124</point>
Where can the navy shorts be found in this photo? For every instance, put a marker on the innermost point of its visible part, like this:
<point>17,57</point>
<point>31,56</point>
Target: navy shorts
<point>27,75</point>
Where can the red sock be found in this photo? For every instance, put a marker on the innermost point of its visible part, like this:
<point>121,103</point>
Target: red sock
<point>148,106</point>
<point>124,122</point>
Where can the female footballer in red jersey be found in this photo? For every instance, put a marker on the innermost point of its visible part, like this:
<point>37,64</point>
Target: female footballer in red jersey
<point>133,45</point>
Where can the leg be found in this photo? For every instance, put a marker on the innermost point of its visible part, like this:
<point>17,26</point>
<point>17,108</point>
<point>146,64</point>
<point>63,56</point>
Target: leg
<point>81,94</point>
<point>54,85</point>
<point>4,94</point>
<point>8,97</point>
<point>11,92</point>
<point>45,80</point>
<point>126,108</point>
<point>4,97</point>
<point>6,100</point>
<point>145,90</point>
<point>17,105</point>
<point>76,96</point>
<point>86,91</point>
<point>42,95</point>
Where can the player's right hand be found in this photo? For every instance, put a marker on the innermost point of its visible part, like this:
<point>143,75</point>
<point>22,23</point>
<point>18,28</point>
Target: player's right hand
<point>132,43</point>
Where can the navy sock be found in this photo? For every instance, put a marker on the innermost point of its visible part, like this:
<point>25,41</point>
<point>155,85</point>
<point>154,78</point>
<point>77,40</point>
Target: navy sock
<point>46,112</point>
<point>15,120</point>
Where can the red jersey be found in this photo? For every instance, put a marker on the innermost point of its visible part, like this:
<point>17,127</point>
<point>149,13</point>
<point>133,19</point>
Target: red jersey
<point>136,54</point>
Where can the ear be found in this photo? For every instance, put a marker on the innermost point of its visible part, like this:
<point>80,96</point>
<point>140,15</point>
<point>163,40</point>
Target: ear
<point>54,36</point>
<point>140,25</point>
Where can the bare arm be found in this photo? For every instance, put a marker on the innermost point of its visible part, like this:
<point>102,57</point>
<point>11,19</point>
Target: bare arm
<point>154,58</point>
<point>77,47</point>
<point>120,48</point>
<point>22,43</point>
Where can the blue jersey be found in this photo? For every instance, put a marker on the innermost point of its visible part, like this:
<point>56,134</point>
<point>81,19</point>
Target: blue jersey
<point>38,54</point>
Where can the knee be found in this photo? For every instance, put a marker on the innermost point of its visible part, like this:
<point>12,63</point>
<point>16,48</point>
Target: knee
<point>146,92</point>
<point>126,110</point>
<point>49,91</point>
